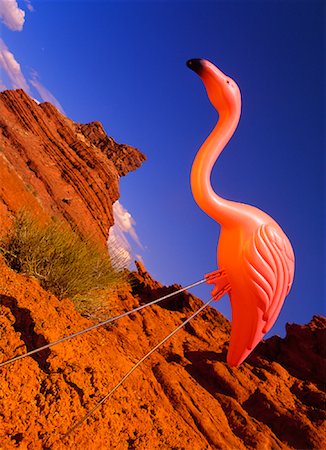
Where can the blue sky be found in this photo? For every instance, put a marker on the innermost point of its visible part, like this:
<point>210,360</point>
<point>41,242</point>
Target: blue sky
<point>123,63</point>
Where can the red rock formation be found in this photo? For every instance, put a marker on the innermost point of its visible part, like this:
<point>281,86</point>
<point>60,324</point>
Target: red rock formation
<point>58,167</point>
<point>184,397</point>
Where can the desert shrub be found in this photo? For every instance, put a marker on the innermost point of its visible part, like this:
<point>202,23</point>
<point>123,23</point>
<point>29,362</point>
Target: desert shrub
<point>64,263</point>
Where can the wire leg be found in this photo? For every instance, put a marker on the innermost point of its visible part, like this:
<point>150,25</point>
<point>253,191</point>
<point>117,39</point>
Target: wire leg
<point>101,324</point>
<point>134,368</point>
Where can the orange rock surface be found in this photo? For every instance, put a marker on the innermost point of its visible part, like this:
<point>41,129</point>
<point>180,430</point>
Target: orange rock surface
<point>184,396</point>
<point>57,167</point>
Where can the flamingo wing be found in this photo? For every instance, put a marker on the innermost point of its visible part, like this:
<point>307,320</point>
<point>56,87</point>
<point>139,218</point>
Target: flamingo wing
<point>270,266</point>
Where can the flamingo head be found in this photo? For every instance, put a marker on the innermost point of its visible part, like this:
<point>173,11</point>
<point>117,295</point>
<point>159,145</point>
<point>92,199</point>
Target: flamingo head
<point>223,92</point>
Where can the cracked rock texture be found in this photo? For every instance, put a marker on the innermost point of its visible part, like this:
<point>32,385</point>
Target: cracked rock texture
<point>184,397</point>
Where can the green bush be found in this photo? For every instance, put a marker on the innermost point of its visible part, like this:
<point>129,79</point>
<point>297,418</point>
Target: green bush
<point>64,263</point>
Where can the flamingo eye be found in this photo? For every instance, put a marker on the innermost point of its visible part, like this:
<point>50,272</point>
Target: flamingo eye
<point>227,81</point>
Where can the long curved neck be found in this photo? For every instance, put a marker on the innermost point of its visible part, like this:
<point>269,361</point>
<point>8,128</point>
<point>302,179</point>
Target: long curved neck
<point>223,211</point>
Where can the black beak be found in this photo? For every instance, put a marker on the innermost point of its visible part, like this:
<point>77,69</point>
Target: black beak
<point>196,65</point>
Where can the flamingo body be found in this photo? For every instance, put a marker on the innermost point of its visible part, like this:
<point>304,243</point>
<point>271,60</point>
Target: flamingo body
<point>259,263</point>
<point>255,256</point>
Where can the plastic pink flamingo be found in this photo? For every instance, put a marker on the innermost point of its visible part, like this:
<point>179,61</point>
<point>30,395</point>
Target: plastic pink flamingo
<point>255,257</point>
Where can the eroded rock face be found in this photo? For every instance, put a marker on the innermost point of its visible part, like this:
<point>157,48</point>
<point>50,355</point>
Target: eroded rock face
<point>54,166</point>
<point>184,397</point>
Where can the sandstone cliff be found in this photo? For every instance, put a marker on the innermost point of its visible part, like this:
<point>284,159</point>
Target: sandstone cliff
<point>185,396</point>
<point>57,167</point>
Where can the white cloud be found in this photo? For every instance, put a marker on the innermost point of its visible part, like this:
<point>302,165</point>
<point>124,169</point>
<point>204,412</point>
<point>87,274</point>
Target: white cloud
<point>29,5</point>
<point>119,249</point>
<point>14,17</point>
<point>11,15</point>
<point>124,220</point>
<point>3,87</point>
<point>12,68</point>
<point>119,245</point>
<point>45,94</point>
